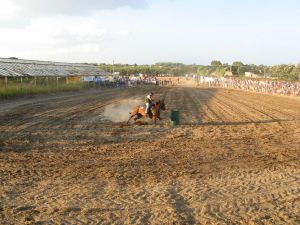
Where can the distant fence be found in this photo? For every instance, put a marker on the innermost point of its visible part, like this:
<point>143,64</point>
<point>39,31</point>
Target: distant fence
<point>265,86</point>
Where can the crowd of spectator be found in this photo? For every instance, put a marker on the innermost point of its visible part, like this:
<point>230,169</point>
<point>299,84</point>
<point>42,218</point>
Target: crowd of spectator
<point>124,82</point>
<point>291,88</point>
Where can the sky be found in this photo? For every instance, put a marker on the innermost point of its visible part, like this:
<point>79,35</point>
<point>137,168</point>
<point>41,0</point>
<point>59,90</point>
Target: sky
<point>150,31</point>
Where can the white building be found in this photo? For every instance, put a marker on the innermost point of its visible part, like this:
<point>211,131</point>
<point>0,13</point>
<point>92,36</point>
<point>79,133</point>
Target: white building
<point>252,75</point>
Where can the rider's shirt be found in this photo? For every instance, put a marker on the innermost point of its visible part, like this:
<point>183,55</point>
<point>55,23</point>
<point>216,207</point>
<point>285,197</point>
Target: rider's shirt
<point>149,104</point>
<point>148,99</point>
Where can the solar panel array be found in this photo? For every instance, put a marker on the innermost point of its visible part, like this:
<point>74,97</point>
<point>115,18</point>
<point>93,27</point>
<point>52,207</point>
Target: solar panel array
<point>20,67</point>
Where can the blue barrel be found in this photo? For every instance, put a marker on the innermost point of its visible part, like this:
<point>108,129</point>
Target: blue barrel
<point>174,117</point>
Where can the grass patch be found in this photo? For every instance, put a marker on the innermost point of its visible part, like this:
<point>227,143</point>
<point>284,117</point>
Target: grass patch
<point>13,91</point>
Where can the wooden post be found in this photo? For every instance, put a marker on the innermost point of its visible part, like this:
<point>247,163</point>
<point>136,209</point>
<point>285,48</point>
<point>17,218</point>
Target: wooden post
<point>5,82</point>
<point>21,82</point>
<point>35,81</point>
<point>56,82</point>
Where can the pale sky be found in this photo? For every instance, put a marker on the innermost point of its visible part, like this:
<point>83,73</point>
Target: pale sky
<point>149,31</point>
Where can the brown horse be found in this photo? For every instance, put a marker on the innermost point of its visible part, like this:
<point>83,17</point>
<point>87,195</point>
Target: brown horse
<point>139,112</point>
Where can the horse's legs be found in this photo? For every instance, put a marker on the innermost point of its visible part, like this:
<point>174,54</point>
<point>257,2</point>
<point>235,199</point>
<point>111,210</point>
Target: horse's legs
<point>130,118</point>
<point>138,116</point>
<point>154,119</point>
<point>158,114</point>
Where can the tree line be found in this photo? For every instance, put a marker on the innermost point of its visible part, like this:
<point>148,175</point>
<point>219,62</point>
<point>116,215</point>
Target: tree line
<point>216,68</point>
<point>177,69</point>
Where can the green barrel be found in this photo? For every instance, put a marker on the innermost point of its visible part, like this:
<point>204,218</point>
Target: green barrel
<point>174,117</point>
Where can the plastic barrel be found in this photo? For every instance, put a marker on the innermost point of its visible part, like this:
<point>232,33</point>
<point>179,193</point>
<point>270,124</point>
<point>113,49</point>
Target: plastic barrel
<point>174,117</point>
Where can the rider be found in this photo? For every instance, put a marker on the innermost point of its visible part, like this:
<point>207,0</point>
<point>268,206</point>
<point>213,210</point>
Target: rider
<point>149,103</point>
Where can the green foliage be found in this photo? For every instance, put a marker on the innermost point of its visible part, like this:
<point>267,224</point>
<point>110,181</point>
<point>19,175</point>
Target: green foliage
<point>220,71</point>
<point>177,69</point>
<point>17,90</point>
<point>203,70</point>
<point>216,68</point>
<point>241,70</point>
<point>213,70</point>
<point>237,64</point>
<point>285,72</point>
<point>216,63</point>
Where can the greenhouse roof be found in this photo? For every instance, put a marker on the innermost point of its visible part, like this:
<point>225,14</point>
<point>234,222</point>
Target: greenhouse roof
<point>21,67</point>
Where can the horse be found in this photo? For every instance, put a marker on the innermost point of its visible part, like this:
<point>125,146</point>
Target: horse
<point>139,111</point>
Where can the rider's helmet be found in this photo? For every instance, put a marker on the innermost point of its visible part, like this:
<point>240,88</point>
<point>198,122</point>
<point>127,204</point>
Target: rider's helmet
<point>151,93</point>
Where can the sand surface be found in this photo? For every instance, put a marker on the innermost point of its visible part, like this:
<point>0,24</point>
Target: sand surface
<point>235,159</point>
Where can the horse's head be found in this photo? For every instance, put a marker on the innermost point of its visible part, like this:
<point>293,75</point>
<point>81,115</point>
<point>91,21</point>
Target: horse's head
<point>161,104</point>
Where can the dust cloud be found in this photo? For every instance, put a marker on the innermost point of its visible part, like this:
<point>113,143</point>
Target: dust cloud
<point>119,112</point>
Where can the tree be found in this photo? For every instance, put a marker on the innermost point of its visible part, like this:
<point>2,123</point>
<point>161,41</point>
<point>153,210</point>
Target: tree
<point>237,64</point>
<point>241,70</point>
<point>285,72</point>
<point>235,67</point>
<point>216,63</point>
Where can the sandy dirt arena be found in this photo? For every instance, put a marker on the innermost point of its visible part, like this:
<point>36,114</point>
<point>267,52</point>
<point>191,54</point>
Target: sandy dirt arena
<point>68,159</point>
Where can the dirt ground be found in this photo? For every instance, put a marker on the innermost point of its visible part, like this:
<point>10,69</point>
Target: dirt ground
<point>235,159</point>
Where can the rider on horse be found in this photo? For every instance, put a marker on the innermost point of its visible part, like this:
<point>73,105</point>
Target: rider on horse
<point>149,103</point>
<point>152,109</point>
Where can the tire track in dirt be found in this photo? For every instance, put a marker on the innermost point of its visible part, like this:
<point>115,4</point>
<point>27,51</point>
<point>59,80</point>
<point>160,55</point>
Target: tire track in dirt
<point>281,127</point>
<point>224,109</point>
<point>272,107</point>
<point>229,111</point>
<point>255,111</point>
<point>63,110</point>
<point>37,115</point>
<point>64,117</point>
<point>194,112</point>
<point>200,99</point>
<point>239,168</point>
